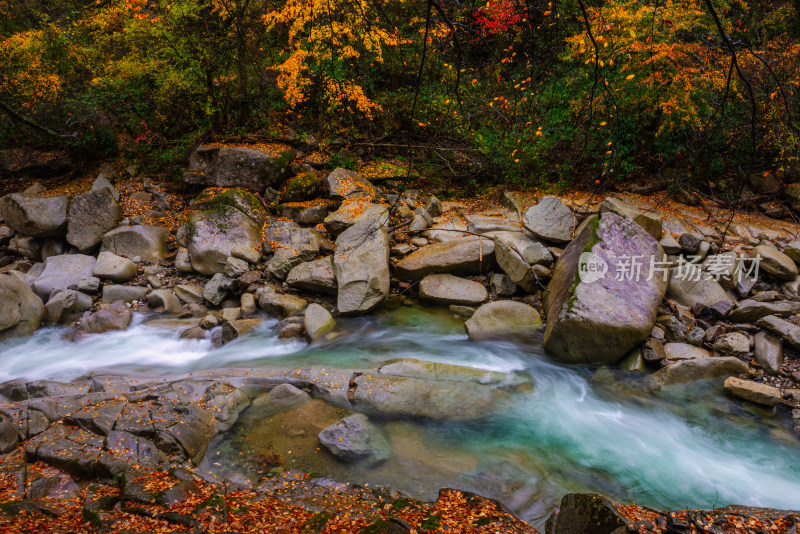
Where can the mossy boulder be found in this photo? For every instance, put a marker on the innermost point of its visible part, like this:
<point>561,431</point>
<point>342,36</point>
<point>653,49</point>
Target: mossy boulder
<point>236,197</point>
<point>304,186</point>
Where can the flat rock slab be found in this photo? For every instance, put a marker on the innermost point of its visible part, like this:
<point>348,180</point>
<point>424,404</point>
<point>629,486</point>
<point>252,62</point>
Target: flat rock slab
<point>468,255</point>
<point>753,391</point>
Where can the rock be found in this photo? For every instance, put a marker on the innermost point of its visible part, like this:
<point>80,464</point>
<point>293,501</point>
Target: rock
<point>651,222</point>
<point>27,247</point>
<point>21,310</point>
<point>233,166</point>
<point>793,251</point>
<point>783,329</point>
<point>686,196</point>
<point>279,305</point>
<point>462,311</point>
<point>231,314</point>
<point>511,200</point>
<point>214,233</point>
<point>244,201</point>
<point>694,288</point>
<point>670,244</point>
<point>351,212</point>
<point>64,306</point>
<point>689,243</point>
<point>361,266</point>
<point>290,330</point>
<point>585,513</point>
<point>355,439</point>
<point>433,206</point>
<point>753,391</point>
<point>317,322</point>
<point>697,369</point>
<point>508,253</point>
<point>733,344</point>
<point>164,298</point>
<point>503,318</point>
<point>119,293</point>
<point>469,255</point>
<point>113,317</point>
<point>247,304</point>
<point>696,336</point>
<point>287,258</point>
<point>750,311</point>
<point>653,351</point>
<point>684,351</point>
<point>89,285</point>
<point>63,272</point>
<point>550,220</point>
<point>346,184</point>
<point>592,316</point>
<point>189,294</point>
<point>674,330</point>
<point>109,266</point>
<point>418,224</point>
<point>775,262</point>
<point>217,288</point>
<point>449,289</point>
<point>249,255</point>
<point>500,285</point>
<point>102,183</point>
<point>235,267</point>
<point>235,329</point>
<point>314,276</point>
<point>91,215</point>
<point>146,242</point>
<point>305,186</point>
<point>35,216</point>
<point>633,362</point>
<point>768,353</point>
<point>453,228</point>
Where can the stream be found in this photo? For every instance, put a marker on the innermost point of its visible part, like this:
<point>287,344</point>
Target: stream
<point>580,430</point>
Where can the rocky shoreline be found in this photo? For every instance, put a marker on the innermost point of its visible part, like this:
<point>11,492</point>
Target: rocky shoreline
<point>665,294</point>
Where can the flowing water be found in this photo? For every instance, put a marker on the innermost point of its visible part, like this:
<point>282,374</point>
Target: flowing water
<point>581,429</point>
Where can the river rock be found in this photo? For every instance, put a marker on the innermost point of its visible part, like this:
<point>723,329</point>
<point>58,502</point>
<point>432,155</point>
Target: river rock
<point>234,329</point>
<point>317,322</point>
<point>216,289</point>
<point>753,391</point>
<point>314,276</point>
<point>305,186</point>
<point>468,255</point>
<point>109,266</point>
<point>235,166</point>
<point>684,351</point>
<point>214,233</point>
<point>651,222</point>
<point>355,439</point>
<point>280,305</point>
<point>65,305</point>
<point>509,255</point>
<point>503,318</point>
<point>449,289</point>
<point>361,266</point>
<point>63,272</point>
<point>775,262</point>
<point>287,258</point>
<point>691,289</point>
<point>212,199</point>
<point>164,298</point>
<point>346,184</point>
<point>550,220</point>
<point>35,216</point>
<point>733,344</point>
<point>91,215</point>
<point>146,242</point>
<point>113,317</point>
<point>21,310</point>
<point>351,212</point>
<point>120,293</point>
<point>189,294</point>
<point>599,320</point>
<point>750,311</point>
<point>768,353</point>
<point>784,329</point>
<point>697,369</point>
<point>500,285</point>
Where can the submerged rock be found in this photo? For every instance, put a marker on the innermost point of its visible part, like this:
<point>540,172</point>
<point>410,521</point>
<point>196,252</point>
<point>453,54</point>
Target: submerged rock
<point>355,439</point>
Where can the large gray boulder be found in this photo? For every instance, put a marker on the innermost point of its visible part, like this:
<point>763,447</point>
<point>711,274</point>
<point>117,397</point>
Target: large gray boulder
<point>232,166</point>
<point>550,220</point>
<point>449,289</point>
<point>594,317</point>
<point>775,262</point>
<point>355,439</point>
<point>361,266</point>
<point>467,255</point>
<point>503,318</point>
<point>21,310</point>
<point>651,222</point>
<point>63,272</point>
<point>90,216</point>
<point>315,276</point>
<point>146,242</point>
<point>35,216</point>
<point>346,184</point>
<point>516,254</point>
<point>109,266</point>
<point>214,233</point>
<point>236,197</point>
<point>280,305</point>
<point>695,288</point>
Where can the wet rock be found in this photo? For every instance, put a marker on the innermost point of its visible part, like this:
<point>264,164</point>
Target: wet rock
<point>195,332</point>
<point>63,272</point>
<point>113,317</point>
<point>235,329</point>
<point>461,311</point>
<point>35,216</point>
<point>280,305</point>
<point>233,166</point>
<point>288,330</point>
<point>651,222</point>
<point>503,318</point>
<point>599,318</point>
<point>550,220</point>
<point>21,310</point>
<point>213,234</point>
<point>74,450</point>
<point>584,513</point>
<point>768,353</point>
<point>361,266</point>
<point>317,322</point>
<point>775,262</point>
<point>146,242</point>
<point>355,439</point>
<point>468,255</point>
<point>697,369</point>
<point>733,344</point>
<point>109,266</point>
<point>119,293</point>
<point>283,397</point>
<point>753,391</point>
<point>91,215</point>
<point>449,289</point>
<point>125,451</point>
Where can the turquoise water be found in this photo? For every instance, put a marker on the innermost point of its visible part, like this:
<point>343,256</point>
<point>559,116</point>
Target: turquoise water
<point>580,430</point>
